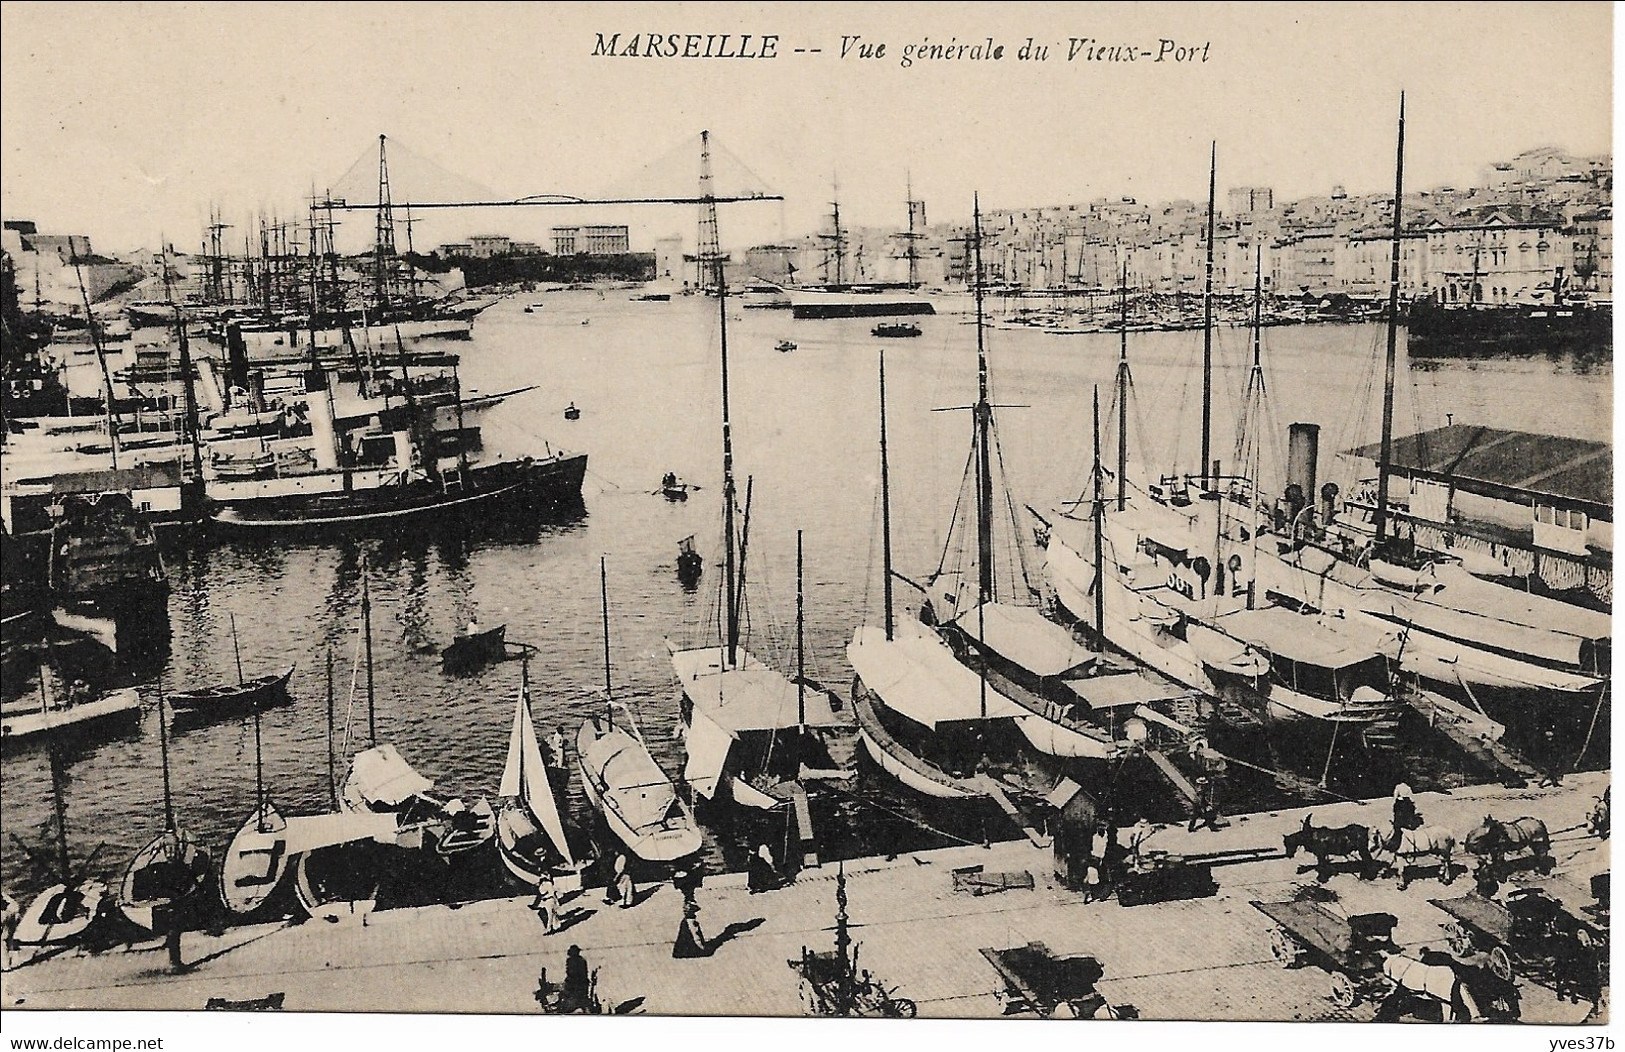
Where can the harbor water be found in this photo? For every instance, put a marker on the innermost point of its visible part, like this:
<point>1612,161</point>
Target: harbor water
<point>645,377</point>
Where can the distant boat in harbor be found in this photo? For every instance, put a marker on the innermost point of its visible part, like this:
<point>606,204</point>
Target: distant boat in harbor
<point>895,330</point>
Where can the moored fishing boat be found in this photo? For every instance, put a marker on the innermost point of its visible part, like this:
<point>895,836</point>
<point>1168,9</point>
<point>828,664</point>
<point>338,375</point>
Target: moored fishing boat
<point>171,868</point>
<point>622,781</point>
<point>747,726</point>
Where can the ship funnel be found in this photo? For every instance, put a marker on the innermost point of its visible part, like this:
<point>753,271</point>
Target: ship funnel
<point>1303,452</point>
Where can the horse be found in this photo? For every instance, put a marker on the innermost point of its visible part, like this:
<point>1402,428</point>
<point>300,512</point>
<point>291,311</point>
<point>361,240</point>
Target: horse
<point>1325,841</point>
<point>1418,843</point>
<point>1432,977</point>
<point>1493,841</point>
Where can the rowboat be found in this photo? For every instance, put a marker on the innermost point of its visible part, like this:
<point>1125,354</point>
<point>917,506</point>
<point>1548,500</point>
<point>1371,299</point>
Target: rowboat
<point>33,720</point>
<point>471,652</point>
<point>250,694</point>
<point>171,868</point>
<point>256,860</point>
<point>59,914</point>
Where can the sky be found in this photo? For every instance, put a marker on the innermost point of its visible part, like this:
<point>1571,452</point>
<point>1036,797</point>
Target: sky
<point>128,121</point>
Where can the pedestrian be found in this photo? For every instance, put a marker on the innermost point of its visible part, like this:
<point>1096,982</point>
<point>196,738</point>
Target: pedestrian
<point>1406,816</point>
<point>576,996</point>
<point>690,940</point>
<point>1551,768</point>
<point>546,903</point>
<point>1093,887</point>
<point>626,893</point>
<point>612,887</point>
<point>1205,808</point>
<point>10,913</point>
<point>764,874</point>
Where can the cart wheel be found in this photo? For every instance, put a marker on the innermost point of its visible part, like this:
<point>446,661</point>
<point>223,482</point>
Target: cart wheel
<point>1344,993</point>
<point>1461,943</point>
<point>1500,963</point>
<point>1283,948</point>
<point>902,1008</point>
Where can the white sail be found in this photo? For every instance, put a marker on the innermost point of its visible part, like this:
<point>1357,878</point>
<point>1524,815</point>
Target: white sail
<point>525,777</point>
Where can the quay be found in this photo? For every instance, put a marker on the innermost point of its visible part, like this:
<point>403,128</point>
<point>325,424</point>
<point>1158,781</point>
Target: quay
<point>1205,959</point>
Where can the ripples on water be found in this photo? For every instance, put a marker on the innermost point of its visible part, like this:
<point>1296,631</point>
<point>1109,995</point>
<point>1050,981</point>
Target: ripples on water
<point>645,377</point>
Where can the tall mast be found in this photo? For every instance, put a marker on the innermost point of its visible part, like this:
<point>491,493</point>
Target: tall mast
<point>801,642</point>
<point>885,502</point>
<point>1207,320</point>
<point>236,652</point>
<point>163,757</point>
<point>1099,516</point>
<point>711,252</point>
<point>366,629</point>
<point>186,373</point>
<point>332,773</point>
<point>1384,464</point>
<point>101,357</point>
<point>840,239</point>
<point>1258,304</point>
<point>913,253</point>
<point>1122,392</point>
<point>59,803</point>
<point>983,417</point>
<point>603,592</point>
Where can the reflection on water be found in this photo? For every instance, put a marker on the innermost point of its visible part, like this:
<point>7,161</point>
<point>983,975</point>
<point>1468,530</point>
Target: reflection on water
<point>645,375</point>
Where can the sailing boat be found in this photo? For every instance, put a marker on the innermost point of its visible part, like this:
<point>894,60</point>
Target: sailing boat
<point>63,911</point>
<point>172,867</point>
<point>338,856</point>
<point>382,781</point>
<point>622,781</point>
<point>861,299</point>
<point>257,858</point>
<point>530,834</point>
<point>907,679</point>
<point>1027,658</point>
<point>745,723</point>
<point>1173,589</point>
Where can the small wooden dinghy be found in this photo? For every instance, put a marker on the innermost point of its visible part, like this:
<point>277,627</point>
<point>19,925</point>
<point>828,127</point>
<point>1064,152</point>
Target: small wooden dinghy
<point>172,867</point>
<point>23,721</point>
<point>256,860</point>
<point>249,695</point>
<point>59,914</point>
<point>473,651</point>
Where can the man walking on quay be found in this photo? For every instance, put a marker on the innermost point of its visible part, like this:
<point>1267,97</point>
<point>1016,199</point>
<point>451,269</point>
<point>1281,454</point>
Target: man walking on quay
<point>1205,808</point>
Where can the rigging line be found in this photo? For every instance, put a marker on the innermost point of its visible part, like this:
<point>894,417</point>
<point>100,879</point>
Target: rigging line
<point>954,519</point>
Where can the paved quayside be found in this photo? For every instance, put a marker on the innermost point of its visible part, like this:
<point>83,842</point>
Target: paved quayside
<point>1201,959</point>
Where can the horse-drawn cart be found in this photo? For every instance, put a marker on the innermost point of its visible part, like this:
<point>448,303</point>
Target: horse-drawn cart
<point>1532,934</point>
<point>1037,981</point>
<point>1349,949</point>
